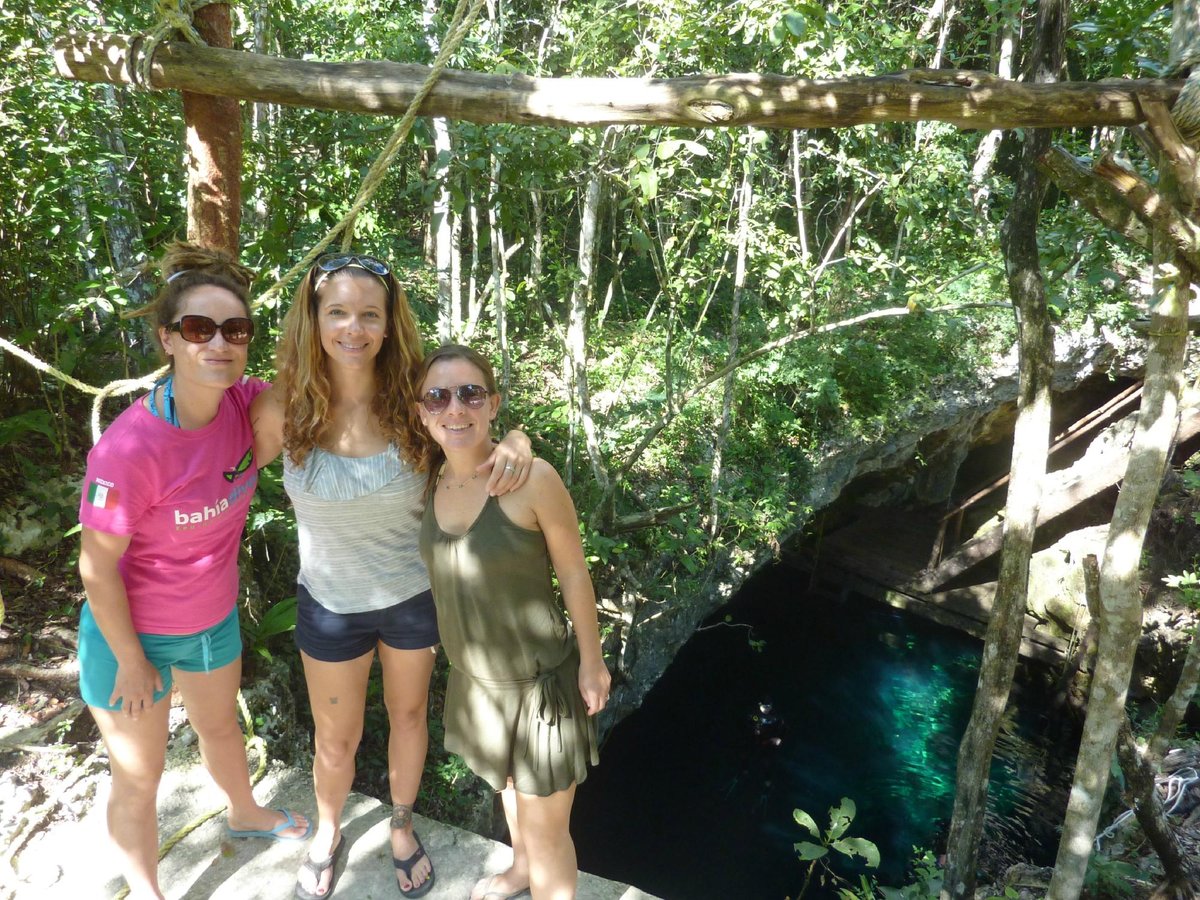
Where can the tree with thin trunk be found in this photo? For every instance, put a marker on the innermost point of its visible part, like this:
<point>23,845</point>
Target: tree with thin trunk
<point>1157,423</point>
<point>1031,438</point>
<point>745,202</point>
<point>576,335</point>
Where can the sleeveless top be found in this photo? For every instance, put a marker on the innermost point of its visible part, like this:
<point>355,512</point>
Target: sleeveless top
<point>513,707</point>
<point>358,519</point>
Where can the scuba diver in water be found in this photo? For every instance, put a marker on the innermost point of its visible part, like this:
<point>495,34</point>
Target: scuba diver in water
<point>767,725</point>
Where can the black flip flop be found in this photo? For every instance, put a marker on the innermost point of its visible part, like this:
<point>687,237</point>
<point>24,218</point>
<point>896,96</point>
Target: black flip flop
<point>406,866</point>
<point>318,869</point>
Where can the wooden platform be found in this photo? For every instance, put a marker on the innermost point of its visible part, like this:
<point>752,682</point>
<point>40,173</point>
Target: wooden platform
<point>882,554</point>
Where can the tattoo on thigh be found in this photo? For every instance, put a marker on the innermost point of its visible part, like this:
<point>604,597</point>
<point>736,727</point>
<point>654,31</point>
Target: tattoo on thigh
<point>401,815</point>
<point>333,701</point>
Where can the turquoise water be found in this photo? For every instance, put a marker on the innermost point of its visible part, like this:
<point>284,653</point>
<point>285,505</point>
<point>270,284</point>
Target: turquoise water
<point>687,804</point>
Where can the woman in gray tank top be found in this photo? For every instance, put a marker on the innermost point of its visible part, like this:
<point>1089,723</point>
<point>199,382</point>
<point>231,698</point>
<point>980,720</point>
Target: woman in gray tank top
<point>523,688</point>
<point>342,411</point>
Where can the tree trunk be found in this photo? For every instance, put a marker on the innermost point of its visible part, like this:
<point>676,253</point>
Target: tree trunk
<point>1175,707</point>
<point>745,202</point>
<point>577,321</point>
<point>214,150</point>
<point>798,190</point>
<point>499,274</point>
<point>473,297</point>
<point>537,243</point>
<point>1031,439</point>
<point>458,316</point>
<point>124,230</point>
<point>986,152</point>
<point>1141,795</point>
<point>439,221</point>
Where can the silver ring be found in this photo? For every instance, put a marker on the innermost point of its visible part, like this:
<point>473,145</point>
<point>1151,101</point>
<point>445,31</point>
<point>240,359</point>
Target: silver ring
<point>508,468</point>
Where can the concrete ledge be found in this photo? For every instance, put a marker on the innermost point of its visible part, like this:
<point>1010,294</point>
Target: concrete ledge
<point>73,860</point>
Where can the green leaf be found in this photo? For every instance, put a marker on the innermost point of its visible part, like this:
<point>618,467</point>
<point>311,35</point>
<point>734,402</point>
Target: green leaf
<point>807,851</point>
<point>667,149</point>
<point>858,847</point>
<point>795,22</point>
<point>802,818</point>
<point>840,818</point>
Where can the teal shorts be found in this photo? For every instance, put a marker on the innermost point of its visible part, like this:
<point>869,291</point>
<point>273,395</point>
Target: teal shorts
<point>202,651</point>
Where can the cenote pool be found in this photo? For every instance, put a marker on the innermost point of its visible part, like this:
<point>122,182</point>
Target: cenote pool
<point>688,804</point>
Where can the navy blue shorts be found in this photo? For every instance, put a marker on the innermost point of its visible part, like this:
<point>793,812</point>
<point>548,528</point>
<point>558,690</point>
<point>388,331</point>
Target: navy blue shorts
<point>337,637</point>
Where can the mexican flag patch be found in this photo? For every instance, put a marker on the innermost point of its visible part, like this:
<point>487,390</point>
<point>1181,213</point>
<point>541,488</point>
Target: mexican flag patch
<point>101,494</point>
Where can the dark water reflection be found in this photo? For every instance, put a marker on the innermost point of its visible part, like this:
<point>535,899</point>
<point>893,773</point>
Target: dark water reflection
<point>687,804</point>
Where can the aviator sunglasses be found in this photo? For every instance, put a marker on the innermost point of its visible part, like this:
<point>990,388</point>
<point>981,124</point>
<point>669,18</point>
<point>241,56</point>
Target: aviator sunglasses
<point>436,400</point>
<point>335,262</point>
<point>202,329</point>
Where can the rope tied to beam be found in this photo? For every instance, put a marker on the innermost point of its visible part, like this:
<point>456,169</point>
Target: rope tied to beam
<point>174,17</point>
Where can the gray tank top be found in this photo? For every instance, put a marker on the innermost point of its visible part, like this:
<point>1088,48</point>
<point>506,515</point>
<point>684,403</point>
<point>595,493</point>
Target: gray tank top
<point>358,520</point>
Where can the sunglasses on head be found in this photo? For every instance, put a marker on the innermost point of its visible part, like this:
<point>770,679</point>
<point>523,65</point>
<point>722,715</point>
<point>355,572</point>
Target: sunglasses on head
<point>202,329</point>
<point>436,400</point>
<point>335,262</point>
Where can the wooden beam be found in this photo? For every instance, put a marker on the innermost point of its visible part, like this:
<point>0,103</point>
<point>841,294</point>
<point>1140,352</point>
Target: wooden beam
<point>1063,491</point>
<point>965,99</point>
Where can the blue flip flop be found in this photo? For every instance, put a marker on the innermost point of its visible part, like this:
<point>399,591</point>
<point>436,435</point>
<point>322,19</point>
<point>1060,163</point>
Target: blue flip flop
<point>276,833</point>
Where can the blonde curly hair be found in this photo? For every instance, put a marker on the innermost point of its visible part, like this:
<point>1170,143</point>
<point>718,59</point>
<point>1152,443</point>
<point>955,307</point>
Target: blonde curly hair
<point>303,372</point>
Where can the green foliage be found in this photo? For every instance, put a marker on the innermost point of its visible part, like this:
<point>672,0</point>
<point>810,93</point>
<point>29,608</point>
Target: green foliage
<point>1109,877</point>
<point>833,838</point>
<point>928,883</point>
<point>37,421</point>
<point>280,618</point>
<point>1187,583</point>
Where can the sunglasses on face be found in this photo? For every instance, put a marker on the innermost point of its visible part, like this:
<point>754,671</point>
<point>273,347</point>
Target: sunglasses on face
<point>334,262</point>
<point>202,329</point>
<point>436,400</point>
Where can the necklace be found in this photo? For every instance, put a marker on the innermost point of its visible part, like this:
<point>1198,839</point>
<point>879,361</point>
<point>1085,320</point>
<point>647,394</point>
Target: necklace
<point>461,484</point>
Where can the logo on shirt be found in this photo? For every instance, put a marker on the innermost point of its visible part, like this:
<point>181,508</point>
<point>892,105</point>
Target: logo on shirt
<point>102,494</point>
<point>242,466</point>
<point>185,520</point>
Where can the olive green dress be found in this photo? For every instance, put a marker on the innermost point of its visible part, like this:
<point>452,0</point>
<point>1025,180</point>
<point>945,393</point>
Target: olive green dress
<point>513,707</point>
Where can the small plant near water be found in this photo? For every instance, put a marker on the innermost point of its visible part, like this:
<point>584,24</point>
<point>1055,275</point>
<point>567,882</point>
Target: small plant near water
<point>928,884</point>
<point>817,854</point>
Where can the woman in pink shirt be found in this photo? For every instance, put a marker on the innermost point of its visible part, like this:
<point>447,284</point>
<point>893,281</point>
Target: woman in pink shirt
<point>165,499</point>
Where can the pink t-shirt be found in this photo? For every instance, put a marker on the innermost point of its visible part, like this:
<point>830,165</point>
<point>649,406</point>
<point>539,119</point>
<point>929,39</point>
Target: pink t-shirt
<point>183,497</point>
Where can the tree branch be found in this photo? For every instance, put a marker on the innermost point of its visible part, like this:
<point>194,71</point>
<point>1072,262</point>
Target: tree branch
<point>963,98</point>
<point>1096,194</point>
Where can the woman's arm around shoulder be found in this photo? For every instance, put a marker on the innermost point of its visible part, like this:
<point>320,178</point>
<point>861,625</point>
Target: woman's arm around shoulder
<point>266,418</point>
<point>509,465</point>
<point>551,503</point>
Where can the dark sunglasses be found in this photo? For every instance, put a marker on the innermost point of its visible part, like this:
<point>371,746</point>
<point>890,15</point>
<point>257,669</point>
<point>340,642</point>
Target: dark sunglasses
<point>202,329</point>
<point>335,262</point>
<point>436,400</point>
